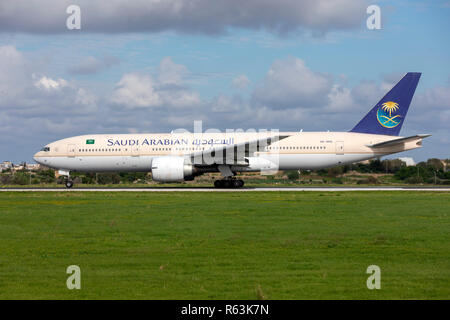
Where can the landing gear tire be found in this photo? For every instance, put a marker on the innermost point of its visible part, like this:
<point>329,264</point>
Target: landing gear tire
<point>69,184</point>
<point>228,183</point>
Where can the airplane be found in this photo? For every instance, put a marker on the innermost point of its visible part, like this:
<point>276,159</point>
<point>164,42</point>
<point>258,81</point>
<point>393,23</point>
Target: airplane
<point>182,156</point>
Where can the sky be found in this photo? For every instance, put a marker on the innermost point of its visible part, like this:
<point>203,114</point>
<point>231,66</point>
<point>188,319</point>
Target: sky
<point>141,66</point>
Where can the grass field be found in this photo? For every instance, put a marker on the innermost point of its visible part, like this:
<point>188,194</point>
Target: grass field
<point>276,245</point>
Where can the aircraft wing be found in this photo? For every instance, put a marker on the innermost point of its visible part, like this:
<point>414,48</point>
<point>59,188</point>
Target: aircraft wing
<point>234,154</point>
<point>394,142</point>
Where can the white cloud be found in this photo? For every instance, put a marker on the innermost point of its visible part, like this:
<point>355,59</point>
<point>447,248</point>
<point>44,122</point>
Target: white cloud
<point>35,101</point>
<point>182,99</point>
<point>367,91</point>
<point>143,91</point>
<point>49,84</point>
<point>13,74</point>
<point>11,57</point>
<point>22,90</point>
<point>224,103</point>
<point>436,98</point>
<point>291,84</point>
<point>171,73</point>
<point>241,82</point>
<point>135,90</point>
<point>91,65</point>
<point>340,99</point>
<point>86,98</point>
<point>430,110</point>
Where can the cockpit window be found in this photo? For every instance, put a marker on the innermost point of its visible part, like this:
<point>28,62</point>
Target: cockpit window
<point>46,149</point>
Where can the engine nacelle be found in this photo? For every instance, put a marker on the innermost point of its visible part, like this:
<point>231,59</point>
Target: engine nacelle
<point>171,169</point>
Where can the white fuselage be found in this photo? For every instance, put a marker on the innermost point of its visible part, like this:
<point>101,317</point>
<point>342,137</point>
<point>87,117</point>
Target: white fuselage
<point>135,152</point>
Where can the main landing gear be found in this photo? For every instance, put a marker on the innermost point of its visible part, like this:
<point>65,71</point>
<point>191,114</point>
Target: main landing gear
<point>229,183</point>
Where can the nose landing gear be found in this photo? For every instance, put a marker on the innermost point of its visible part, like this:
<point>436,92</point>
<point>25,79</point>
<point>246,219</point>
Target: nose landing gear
<point>69,183</point>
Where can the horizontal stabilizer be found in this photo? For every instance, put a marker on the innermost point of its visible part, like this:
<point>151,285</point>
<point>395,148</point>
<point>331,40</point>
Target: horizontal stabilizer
<point>394,142</point>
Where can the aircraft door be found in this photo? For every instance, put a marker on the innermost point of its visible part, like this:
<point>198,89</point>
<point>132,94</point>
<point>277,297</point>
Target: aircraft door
<point>134,160</point>
<point>135,152</point>
<point>71,150</point>
<point>340,147</point>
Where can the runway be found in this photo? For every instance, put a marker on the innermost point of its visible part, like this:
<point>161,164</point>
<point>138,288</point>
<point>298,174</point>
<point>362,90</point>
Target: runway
<point>269,189</point>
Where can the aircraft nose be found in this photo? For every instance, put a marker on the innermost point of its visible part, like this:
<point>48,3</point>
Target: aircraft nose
<point>36,158</point>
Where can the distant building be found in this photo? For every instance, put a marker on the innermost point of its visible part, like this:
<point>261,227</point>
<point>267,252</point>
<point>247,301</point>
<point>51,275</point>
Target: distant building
<point>33,166</point>
<point>6,165</point>
<point>446,163</point>
<point>19,167</point>
<point>408,161</point>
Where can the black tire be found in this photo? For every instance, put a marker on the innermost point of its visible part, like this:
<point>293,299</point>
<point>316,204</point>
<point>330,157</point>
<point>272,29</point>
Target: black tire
<point>241,183</point>
<point>236,183</point>
<point>69,184</point>
<point>218,184</point>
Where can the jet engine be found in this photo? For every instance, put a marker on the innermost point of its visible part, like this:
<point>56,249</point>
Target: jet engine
<point>171,169</point>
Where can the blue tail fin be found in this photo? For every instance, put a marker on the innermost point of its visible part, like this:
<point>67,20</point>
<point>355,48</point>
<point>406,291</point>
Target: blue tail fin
<point>389,113</point>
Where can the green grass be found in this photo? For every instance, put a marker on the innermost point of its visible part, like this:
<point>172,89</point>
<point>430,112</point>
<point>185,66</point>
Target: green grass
<point>282,245</point>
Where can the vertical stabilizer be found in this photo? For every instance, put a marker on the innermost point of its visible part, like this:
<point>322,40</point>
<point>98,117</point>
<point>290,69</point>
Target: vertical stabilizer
<point>389,113</point>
